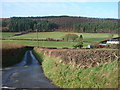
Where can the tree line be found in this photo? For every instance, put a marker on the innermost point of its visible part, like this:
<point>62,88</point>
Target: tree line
<point>44,26</point>
<point>106,27</point>
<point>74,37</point>
<point>60,23</point>
<point>18,24</point>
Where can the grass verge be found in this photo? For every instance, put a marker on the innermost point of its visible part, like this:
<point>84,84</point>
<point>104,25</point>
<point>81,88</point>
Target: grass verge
<point>67,76</point>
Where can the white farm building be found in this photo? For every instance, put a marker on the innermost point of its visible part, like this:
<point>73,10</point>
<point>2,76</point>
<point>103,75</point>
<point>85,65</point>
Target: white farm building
<point>111,41</point>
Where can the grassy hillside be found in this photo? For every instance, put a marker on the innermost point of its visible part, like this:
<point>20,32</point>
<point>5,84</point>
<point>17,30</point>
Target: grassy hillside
<point>65,23</point>
<point>59,35</point>
<point>67,76</point>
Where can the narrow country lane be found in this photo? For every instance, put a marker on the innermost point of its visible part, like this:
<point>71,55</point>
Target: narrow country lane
<point>26,74</point>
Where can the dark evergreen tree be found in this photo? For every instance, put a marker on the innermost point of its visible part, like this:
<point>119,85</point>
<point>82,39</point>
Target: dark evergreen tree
<point>106,27</point>
<point>18,24</point>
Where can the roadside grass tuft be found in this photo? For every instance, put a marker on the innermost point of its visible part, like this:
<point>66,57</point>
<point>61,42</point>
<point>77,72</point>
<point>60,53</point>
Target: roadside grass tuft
<point>38,56</point>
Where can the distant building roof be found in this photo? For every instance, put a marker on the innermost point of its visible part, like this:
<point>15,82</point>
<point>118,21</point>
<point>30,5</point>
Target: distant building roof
<point>110,39</point>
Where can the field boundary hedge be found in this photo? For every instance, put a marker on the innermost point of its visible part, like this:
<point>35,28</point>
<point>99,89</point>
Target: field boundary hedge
<point>81,58</point>
<point>48,39</point>
<point>13,53</point>
<point>66,76</point>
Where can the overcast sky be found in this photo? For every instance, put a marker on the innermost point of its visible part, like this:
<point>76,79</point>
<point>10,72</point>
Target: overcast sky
<point>85,9</point>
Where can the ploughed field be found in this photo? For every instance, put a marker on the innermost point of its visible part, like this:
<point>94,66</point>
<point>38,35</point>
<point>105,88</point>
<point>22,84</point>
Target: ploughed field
<point>90,37</point>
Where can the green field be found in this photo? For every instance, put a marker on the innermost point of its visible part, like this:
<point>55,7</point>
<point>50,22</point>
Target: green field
<point>7,34</point>
<point>95,37</point>
<point>59,35</point>
<point>45,43</point>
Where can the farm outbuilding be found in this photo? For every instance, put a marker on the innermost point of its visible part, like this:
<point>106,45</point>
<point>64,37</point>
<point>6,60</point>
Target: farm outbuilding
<point>111,41</point>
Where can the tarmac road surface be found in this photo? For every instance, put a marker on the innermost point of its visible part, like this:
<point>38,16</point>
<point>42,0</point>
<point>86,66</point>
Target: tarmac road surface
<point>27,74</point>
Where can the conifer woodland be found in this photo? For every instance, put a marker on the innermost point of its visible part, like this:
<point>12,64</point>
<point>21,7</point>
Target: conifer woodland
<point>60,23</point>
